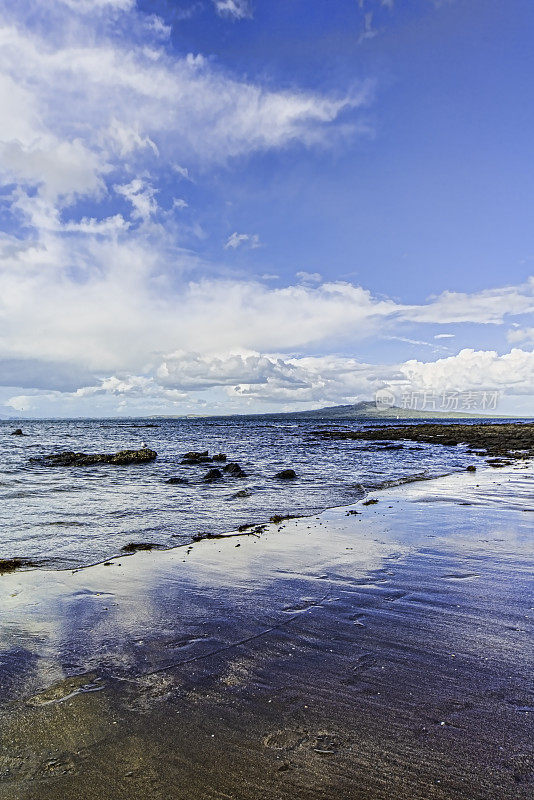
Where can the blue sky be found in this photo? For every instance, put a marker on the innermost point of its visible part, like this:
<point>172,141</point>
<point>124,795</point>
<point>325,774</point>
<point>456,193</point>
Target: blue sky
<point>225,206</point>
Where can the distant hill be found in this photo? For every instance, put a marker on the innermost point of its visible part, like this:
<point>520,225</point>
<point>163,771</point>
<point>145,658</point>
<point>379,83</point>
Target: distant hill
<point>368,410</point>
<point>364,410</point>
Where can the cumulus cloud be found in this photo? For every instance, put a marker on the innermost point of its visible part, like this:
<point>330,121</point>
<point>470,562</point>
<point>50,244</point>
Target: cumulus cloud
<point>470,369</point>
<point>260,378</point>
<point>98,298</point>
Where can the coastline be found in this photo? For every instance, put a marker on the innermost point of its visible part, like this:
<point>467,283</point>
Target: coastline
<point>343,654</point>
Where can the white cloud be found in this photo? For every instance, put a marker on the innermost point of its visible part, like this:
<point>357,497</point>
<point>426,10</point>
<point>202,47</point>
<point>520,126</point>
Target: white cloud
<point>522,335</point>
<point>236,240</point>
<point>73,88</point>
<point>141,196</point>
<point>444,336</point>
<point>470,369</point>
<point>368,31</point>
<point>104,305</point>
<point>486,306</point>
<point>309,277</point>
<point>236,9</point>
<point>182,171</point>
<point>90,6</point>
<point>319,380</point>
<point>157,26</point>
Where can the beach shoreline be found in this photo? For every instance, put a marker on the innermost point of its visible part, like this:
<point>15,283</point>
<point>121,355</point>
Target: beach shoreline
<point>381,653</point>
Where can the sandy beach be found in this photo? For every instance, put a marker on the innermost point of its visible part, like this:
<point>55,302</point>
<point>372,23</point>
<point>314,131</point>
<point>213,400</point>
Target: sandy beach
<point>377,651</point>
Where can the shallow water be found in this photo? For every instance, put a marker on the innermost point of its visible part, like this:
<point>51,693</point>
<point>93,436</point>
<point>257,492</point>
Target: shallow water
<point>65,517</point>
<point>385,653</point>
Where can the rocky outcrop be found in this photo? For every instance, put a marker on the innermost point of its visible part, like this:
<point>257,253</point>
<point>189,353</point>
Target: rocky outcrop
<point>212,475</point>
<point>17,432</point>
<point>234,470</point>
<point>123,458</point>
<point>196,458</point>
<point>178,481</point>
<point>133,547</point>
<point>497,439</point>
<point>11,564</point>
<point>286,475</point>
<point>204,457</point>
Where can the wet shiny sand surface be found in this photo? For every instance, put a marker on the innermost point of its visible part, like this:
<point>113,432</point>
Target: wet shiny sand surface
<point>383,654</point>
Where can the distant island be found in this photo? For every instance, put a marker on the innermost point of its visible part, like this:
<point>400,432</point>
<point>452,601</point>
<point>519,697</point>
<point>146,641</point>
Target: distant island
<point>366,409</point>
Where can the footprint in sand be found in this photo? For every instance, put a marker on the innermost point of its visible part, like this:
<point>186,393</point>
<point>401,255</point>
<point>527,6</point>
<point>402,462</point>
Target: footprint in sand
<point>285,739</point>
<point>65,689</point>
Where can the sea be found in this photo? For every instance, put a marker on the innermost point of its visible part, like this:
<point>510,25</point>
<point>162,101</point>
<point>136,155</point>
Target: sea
<point>69,517</point>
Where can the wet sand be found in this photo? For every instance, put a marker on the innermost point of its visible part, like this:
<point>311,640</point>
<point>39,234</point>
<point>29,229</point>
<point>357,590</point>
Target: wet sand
<point>379,654</point>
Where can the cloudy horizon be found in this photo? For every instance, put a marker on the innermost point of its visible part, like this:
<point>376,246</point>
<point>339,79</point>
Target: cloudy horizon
<point>226,206</point>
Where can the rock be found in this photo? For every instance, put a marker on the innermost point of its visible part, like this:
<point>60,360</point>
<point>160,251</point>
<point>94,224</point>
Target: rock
<point>196,458</point>
<point>286,475</point>
<point>178,481</point>
<point>219,457</point>
<point>241,493</point>
<point>132,547</point>
<point>234,469</point>
<point>17,432</point>
<point>11,564</point>
<point>471,468</point>
<point>212,475</point>
<point>122,458</point>
<point>499,462</point>
<point>370,502</point>
<point>501,440</point>
<point>278,518</point>
<point>196,454</point>
<point>198,537</point>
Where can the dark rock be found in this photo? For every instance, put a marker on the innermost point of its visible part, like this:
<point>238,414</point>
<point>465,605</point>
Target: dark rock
<point>234,469</point>
<point>471,468</point>
<point>122,458</point>
<point>132,547</point>
<point>241,493</point>
<point>219,457</point>
<point>178,481</point>
<point>277,518</point>
<point>198,537</point>
<point>17,432</point>
<point>212,475</point>
<point>497,439</point>
<point>196,458</point>
<point>499,462</point>
<point>286,475</point>
<point>11,564</point>
<point>196,454</point>
<point>370,502</point>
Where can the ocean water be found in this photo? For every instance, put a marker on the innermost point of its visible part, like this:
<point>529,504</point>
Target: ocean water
<point>65,517</point>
